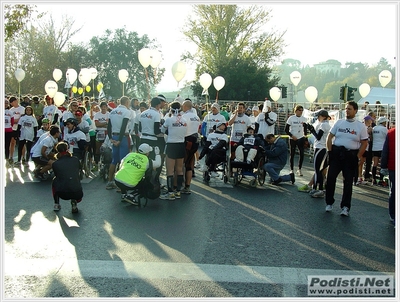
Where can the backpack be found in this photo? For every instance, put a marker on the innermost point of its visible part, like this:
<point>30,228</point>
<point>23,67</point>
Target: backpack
<point>151,188</point>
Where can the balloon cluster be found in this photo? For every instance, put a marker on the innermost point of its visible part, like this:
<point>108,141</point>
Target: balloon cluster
<point>206,80</point>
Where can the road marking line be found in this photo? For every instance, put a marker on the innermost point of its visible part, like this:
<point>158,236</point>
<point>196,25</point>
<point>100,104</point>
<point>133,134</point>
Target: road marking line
<point>172,271</point>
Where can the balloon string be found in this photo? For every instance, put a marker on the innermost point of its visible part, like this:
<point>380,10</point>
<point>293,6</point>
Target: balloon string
<point>216,99</point>
<point>147,82</point>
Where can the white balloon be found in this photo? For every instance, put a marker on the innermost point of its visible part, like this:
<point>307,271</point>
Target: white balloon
<point>275,93</point>
<point>19,74</point>
<point>85,76</point>
<point>72,75</point>
<point>385,77</point>
<point>57,74</point>
<point>205,80</point>
<point>93,73</point>
<point>123,75</point>
<point>179,71</point>
<point>51,88</point>
<point>144,56</point>
<point>219,83</point>
<point>364,90</point>
<point>295,78</point>
<point>59,98</point>
<point>155,56</point>
<point>311,93</point>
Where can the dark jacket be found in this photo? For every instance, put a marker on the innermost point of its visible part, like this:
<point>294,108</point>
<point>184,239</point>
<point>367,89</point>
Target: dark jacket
<point>66,171</point>
<point>277,152</point>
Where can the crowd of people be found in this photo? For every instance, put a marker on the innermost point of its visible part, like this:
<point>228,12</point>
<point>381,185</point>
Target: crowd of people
<point>146,136</point>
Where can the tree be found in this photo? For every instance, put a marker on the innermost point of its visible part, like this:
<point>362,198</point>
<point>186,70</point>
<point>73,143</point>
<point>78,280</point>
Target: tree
<point>39,50</point>
<point>15,19</point>
<point>226,34</point>
<point>117,50</point>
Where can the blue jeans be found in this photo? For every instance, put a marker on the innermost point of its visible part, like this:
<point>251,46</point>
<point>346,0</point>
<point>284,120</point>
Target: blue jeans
<point>273,171</point>
<point>392,194</point>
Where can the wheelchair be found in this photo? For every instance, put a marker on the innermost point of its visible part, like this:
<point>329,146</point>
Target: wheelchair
<point>104,162</point>
<point>221,166</point>
<point>253,170</point>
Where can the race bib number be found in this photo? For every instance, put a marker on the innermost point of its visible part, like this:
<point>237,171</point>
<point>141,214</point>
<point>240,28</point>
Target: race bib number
<point>249,141</point>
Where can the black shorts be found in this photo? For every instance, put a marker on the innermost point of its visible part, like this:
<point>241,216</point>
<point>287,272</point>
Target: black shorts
<point>377,153</point>
<point>161,144</point>
<point>40,161</point>
<point>366,153</point>
<point>175,150</point>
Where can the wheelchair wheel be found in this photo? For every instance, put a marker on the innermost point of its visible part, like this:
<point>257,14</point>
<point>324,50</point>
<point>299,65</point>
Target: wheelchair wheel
<point>253,183</point>
<point>226,172</point>
<point>87,163</point>
<point>260,171</point>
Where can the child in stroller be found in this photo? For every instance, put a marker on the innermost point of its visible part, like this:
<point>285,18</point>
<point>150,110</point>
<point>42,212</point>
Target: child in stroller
<point>215,149</point>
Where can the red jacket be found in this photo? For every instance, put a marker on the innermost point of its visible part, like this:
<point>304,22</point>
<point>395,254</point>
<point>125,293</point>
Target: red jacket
<point>388,159</point>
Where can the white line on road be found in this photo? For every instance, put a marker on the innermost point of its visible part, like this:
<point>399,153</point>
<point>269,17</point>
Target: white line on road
<point>172,271</point>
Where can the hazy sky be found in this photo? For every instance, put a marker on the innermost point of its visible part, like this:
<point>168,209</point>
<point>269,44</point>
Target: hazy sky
<point>316,32</point>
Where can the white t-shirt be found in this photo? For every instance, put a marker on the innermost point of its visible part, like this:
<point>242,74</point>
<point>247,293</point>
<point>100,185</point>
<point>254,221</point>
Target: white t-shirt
<point>379,134</point>
<point>73,138</point>
<point>177,127</point>
<point>349,134</point>
<point>17,112</point>
<point>50,111</point>
<point>324,126</point>
<point>116,117</point>
<point>147,120</point>
<point>48,141</point>
<point>193,122</point>
<point>28,123</point>
<point>212,120</point>
<point>263,127</point>
<point>296,125</point>
<point>215,137</point>
<point>7,119</point>
<point>239,127</point>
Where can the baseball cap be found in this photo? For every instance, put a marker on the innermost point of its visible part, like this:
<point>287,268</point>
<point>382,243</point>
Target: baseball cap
<point>368,118</point>
<point>78,113</point>
<point>323,113</point>
<point>255,108</point>
<point>145,148</point>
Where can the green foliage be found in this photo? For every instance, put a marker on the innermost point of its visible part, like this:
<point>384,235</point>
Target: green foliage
<point>230,43</point>
<point>15,19</point>
<point>119,50</point>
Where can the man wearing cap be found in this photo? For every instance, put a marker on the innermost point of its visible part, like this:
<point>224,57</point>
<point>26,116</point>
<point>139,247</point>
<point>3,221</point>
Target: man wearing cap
<point>379,133</point>
<point>265,121</point>
<point>345,151</point>
<point>117,132</point>
<point>239,122</point>
<point>134,166</point>
<point>211,119</point>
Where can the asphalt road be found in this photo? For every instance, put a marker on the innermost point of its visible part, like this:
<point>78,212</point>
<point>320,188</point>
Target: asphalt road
<point>220,241</point>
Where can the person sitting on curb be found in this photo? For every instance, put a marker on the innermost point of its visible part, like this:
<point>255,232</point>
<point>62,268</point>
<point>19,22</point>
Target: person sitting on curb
<point>276,152</point>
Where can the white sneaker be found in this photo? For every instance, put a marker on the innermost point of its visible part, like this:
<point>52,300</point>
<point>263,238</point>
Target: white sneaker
<point>318,194</point>
<point>168,196</point>
<point>329,208</point>
<point>197,165</point>
<point>214,174</point>
<point>345,211</point>
<point>299,172</point>
<point>203,168</point>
